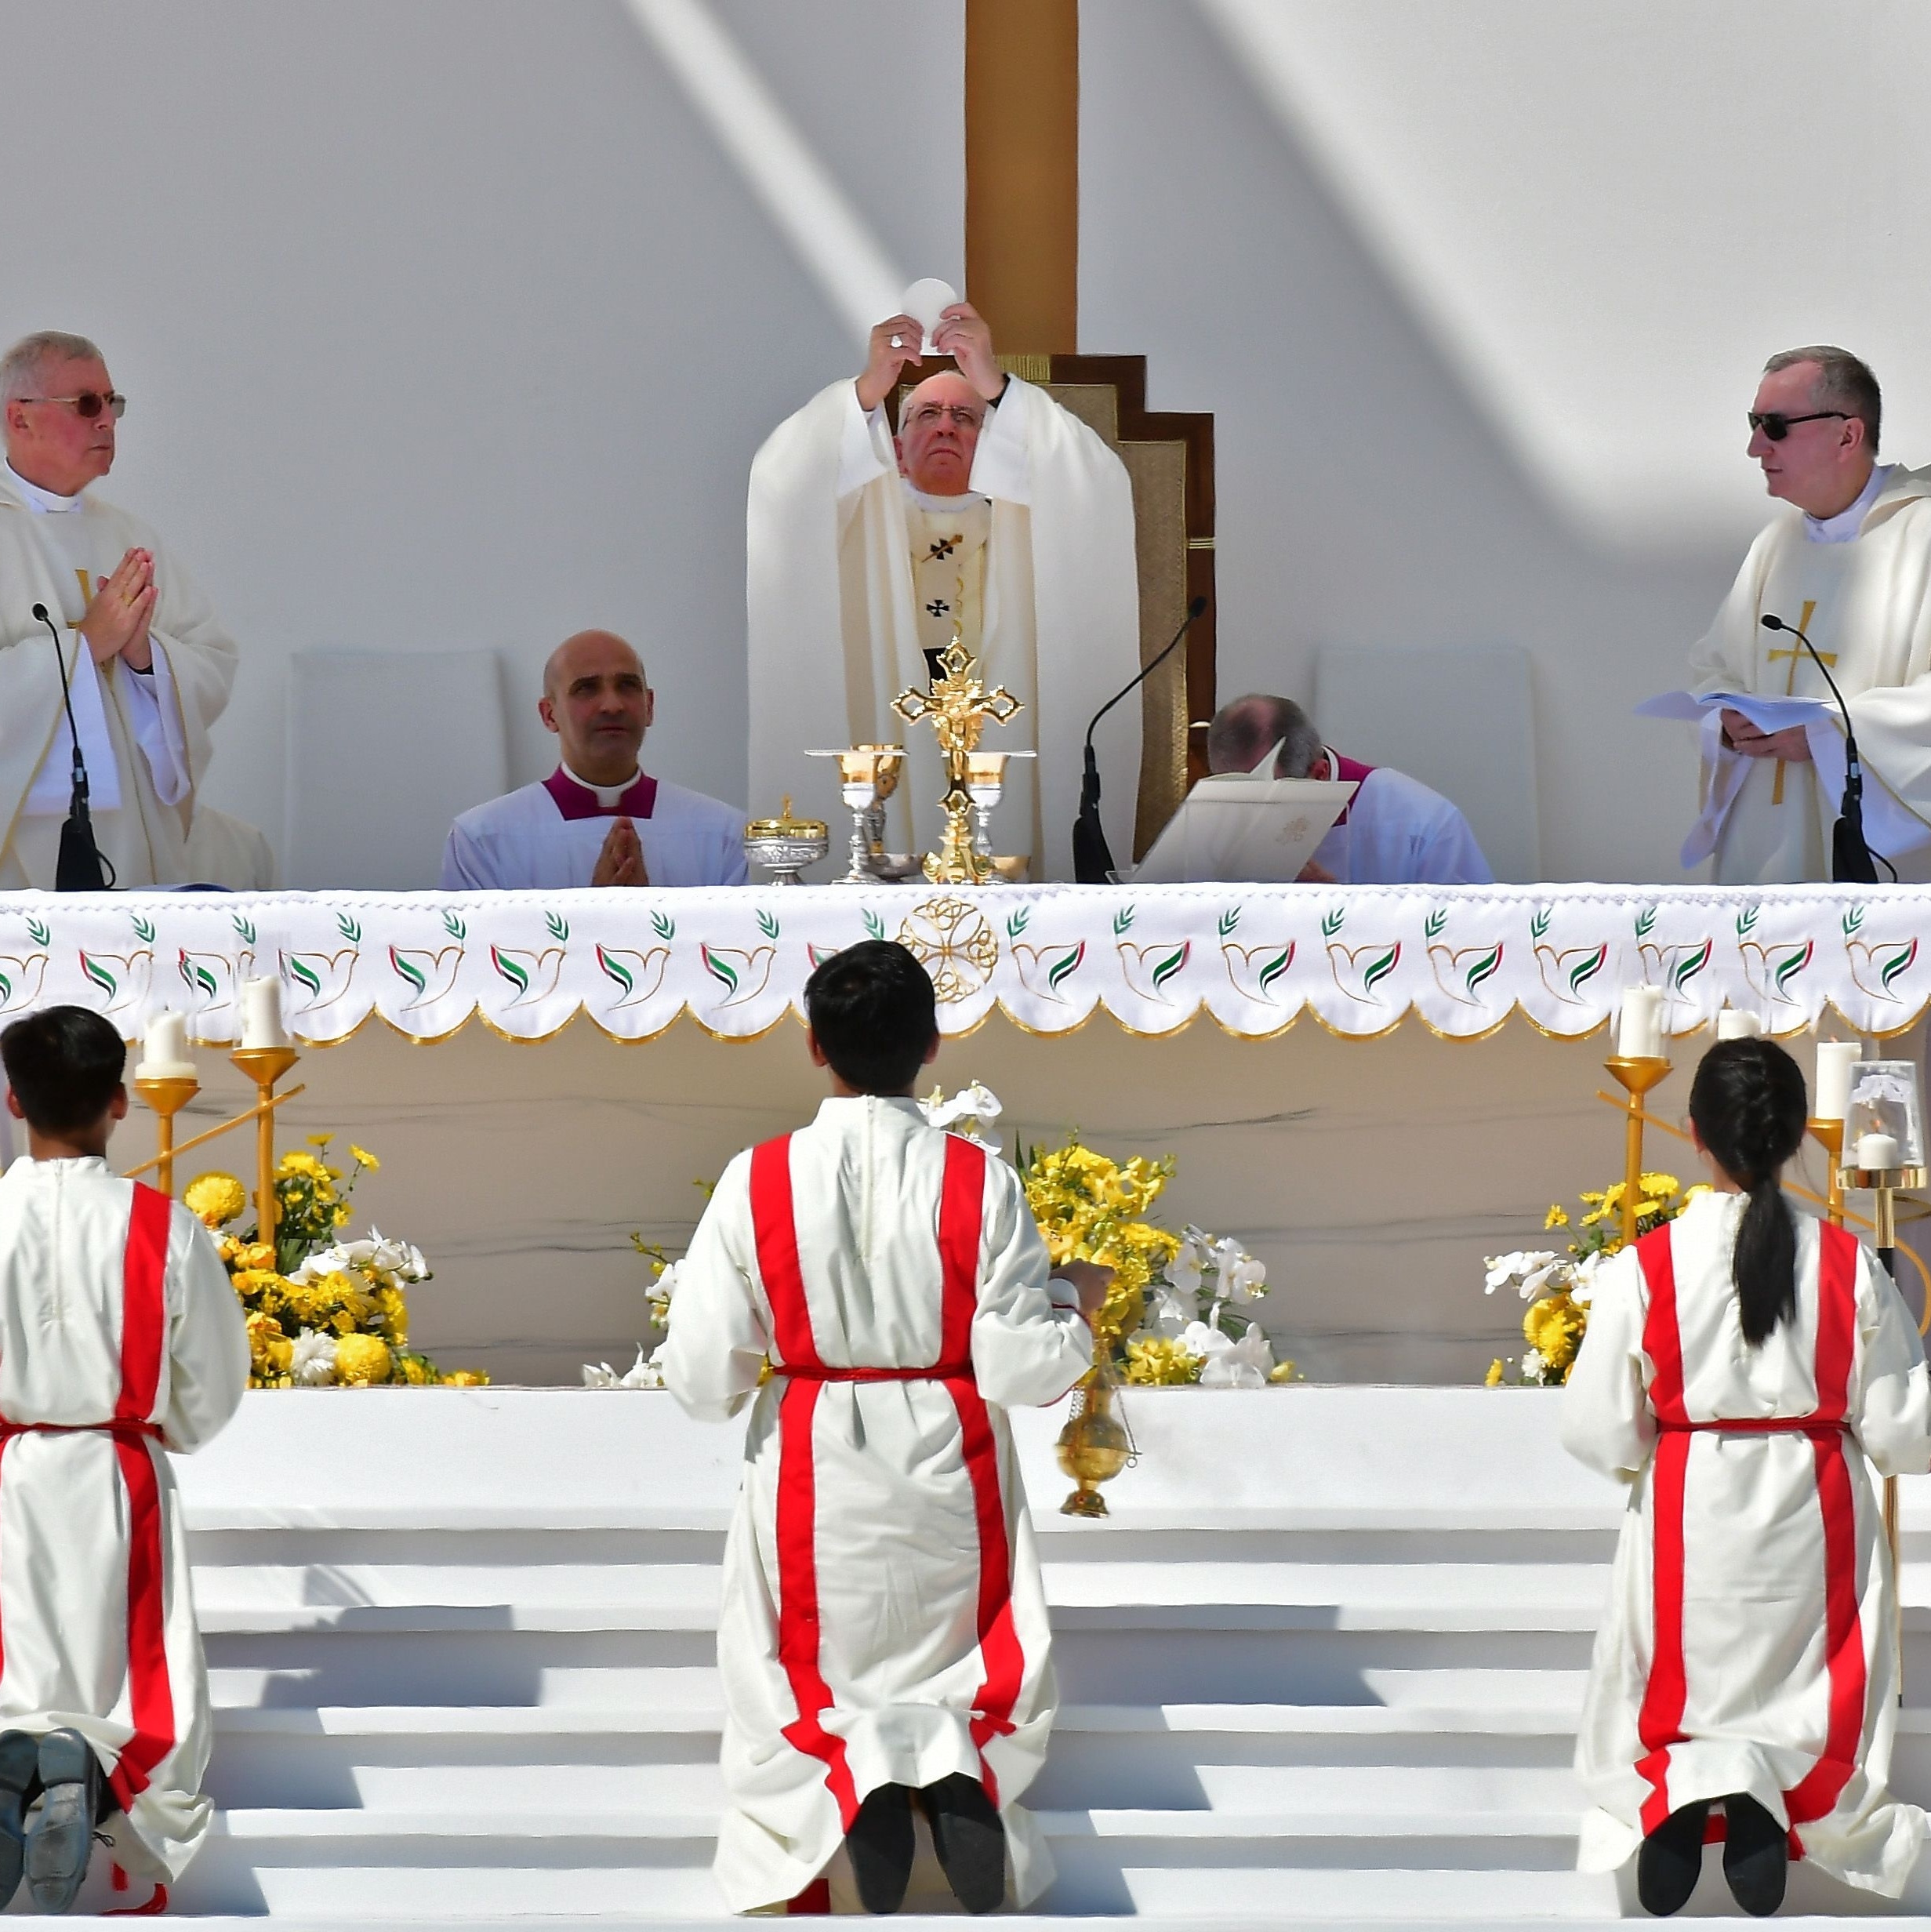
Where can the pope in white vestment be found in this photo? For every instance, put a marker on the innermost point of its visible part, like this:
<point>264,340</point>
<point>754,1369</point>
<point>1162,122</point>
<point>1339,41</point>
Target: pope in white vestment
<point>1749,1646</point>
<point>120,1338</point>
<point>883,1620</point>
<point>144,733</point>
<point>1011,521</point>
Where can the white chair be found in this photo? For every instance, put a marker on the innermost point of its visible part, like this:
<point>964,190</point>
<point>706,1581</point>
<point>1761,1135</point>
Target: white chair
<point>385,749</point>
<point>1461,720</point>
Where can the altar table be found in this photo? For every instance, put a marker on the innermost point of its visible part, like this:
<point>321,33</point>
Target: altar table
<point>1304,1052</point>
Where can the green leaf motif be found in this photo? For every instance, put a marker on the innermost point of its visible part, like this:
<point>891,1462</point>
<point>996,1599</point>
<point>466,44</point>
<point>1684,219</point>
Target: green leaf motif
<point>1017,923</point>
<point>1331,922</point>
<point>454,927</point>
<point>350,929</point>
<point>664,925</point>
<point>617,971</point>
<point>1436,920</point>
<point>1646,920</point>
<point>145,931</point>
<point>1853,922</point>
<point>1539,924</point>
<point>559,926</point>
<point>719,970</point>
<point>1746,921</point>
<point>244,928</point>
<point>41,935</point>
<point>767,924</point>
<point>416,978</point>
<point>1122,920</point>
<point>875,925</point>
<point>1228,920</point>
<point>510,970</point>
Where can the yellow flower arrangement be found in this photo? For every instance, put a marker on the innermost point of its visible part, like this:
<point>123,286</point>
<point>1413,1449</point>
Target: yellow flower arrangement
<point>1091,1208</point>
<point>320,1310</point>
<point>1159,1361</point>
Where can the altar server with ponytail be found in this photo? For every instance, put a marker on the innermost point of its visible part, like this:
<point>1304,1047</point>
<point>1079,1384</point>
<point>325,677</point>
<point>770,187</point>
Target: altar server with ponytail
<point>883,1641</point>
<point>1744,1366</point>
<point>120,1337</point>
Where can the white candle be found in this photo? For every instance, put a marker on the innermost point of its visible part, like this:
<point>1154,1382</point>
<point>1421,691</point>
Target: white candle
<point>164,1052</point>
<point>1876,1153</point>
<point>1731,1024</point>
<point>1830,1095</point>
<point>1639,1033</point>
<point>261,1014</point>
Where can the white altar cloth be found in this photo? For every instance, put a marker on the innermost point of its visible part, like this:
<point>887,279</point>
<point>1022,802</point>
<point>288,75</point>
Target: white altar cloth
<point>1360,960</point>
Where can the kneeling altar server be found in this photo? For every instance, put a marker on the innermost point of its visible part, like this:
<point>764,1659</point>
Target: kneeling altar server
<point>120,1337</point>
<point>883,1641</point>
<point>1743,1367</point>
<point>597,819</point>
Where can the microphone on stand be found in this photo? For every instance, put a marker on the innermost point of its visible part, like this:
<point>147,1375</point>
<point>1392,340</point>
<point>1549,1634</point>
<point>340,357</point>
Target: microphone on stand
<point>1092,859</point>
<point>1851,862</point>
<point>80,867</point>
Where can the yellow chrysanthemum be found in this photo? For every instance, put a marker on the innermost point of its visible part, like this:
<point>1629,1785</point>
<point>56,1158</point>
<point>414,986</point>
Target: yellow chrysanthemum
<point>364,1158</point>
<point>270,1351</point>
<point>216,1198</point>
<point>1160,1362</point>
<point>1557,1216</point>
<point>1493,1378</point>
<point>1553,1326</point>
<point>1663,1184</point>
<point>295,1161</point>
<point>362,1360</point>
<point>320,1140</point>
<point>466,1378</point>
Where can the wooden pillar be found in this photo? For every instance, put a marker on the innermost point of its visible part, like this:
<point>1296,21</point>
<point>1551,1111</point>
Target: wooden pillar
<point>1022,172</point>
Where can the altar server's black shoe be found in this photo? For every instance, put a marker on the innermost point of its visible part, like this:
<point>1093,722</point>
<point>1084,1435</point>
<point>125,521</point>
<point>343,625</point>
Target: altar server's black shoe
<point>1671,1861</point>
<point>880,1845</point>
<point>1756,1855</point>
<point>970,1839</point>
<point>60,1840</point>
<point>19,1783</point>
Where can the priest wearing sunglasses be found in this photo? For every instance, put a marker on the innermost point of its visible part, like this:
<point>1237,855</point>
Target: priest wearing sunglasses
<point>145,664</point>
<point>1848,563</point>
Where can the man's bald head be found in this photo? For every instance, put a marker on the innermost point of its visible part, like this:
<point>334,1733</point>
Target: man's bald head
<point>598,701</point>
<point>1242,732</point>
<point>938,432</point>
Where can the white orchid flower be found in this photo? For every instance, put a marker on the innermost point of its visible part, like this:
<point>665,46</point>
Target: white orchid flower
<point>1230,1364</point>
<point>1529,1270</point>
<point>313,1363</point>
<point>1242,1278</point>
<point>1171,1311</point>
<point>973,1112</point>
<point>643,1373</point>
<point>1582,1278</point>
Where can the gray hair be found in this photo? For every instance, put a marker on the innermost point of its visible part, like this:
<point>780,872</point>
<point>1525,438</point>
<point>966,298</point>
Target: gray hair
<point>21,365</point>
<point>1242,732</point>
<point>1844,382</point>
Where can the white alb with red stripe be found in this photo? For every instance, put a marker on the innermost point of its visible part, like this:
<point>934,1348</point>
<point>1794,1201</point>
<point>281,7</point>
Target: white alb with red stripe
<point>883,1621</point>
<point>119,1335</point>
<point>1750,1643</point>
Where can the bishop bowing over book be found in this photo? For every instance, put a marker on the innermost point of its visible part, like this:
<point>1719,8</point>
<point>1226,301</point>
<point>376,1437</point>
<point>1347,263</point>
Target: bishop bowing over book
<point>993,513</point>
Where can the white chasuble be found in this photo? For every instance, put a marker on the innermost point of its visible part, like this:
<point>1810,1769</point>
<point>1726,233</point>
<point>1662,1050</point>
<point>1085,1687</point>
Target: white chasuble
<point>120,1338</point>
<point>839,577</point>
<point>1749,1644</point>
<point>1866,604</point>
<point>883,1620</point>
<point>145,737</point>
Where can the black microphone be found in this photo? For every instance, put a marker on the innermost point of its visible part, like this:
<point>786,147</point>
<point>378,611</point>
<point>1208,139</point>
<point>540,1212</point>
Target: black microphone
<point>1092,860</point>
<point>79,867</point>
<point>1851,862</point>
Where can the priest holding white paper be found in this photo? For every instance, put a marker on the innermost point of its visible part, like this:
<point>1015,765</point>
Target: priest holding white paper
<point>1848,564</point>
<point>994,512</point>
<point>146,663</point>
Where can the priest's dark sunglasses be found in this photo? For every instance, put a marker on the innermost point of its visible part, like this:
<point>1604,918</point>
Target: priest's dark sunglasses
<point>87,405</point>
<point>1776,426</point>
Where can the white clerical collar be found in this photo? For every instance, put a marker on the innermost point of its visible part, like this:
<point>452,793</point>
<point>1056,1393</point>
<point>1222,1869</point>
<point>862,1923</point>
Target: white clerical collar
<point>43,502</point>
<point>606,795</point>
<point>940,504</point>
<point>1844,527</point>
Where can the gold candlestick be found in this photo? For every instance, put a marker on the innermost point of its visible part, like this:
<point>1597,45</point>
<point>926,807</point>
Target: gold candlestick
<point>1636,1077</point>
<point>1829,1136</point>
<point>264,1065</point>
<point>166,1097</point>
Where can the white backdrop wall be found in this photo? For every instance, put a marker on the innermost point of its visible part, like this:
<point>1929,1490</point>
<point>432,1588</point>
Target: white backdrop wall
<point>450,325</point>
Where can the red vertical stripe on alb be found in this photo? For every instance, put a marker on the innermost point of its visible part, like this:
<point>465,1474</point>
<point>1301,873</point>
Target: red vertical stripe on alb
<point>1659,1723</point>
<point>1817,1795</point>
<point>798,1625</point>
<point>961,1217</point>
<point>775,1229</point>
<point>150,1696</point>
<point>144,1305</point>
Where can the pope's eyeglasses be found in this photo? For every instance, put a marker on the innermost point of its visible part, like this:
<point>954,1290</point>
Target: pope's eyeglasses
<point>1776,426</point>
<point>87,405</point>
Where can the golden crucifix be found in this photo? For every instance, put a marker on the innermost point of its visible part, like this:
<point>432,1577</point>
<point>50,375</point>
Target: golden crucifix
<point>956,706</point>
<point>1790,683</point>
